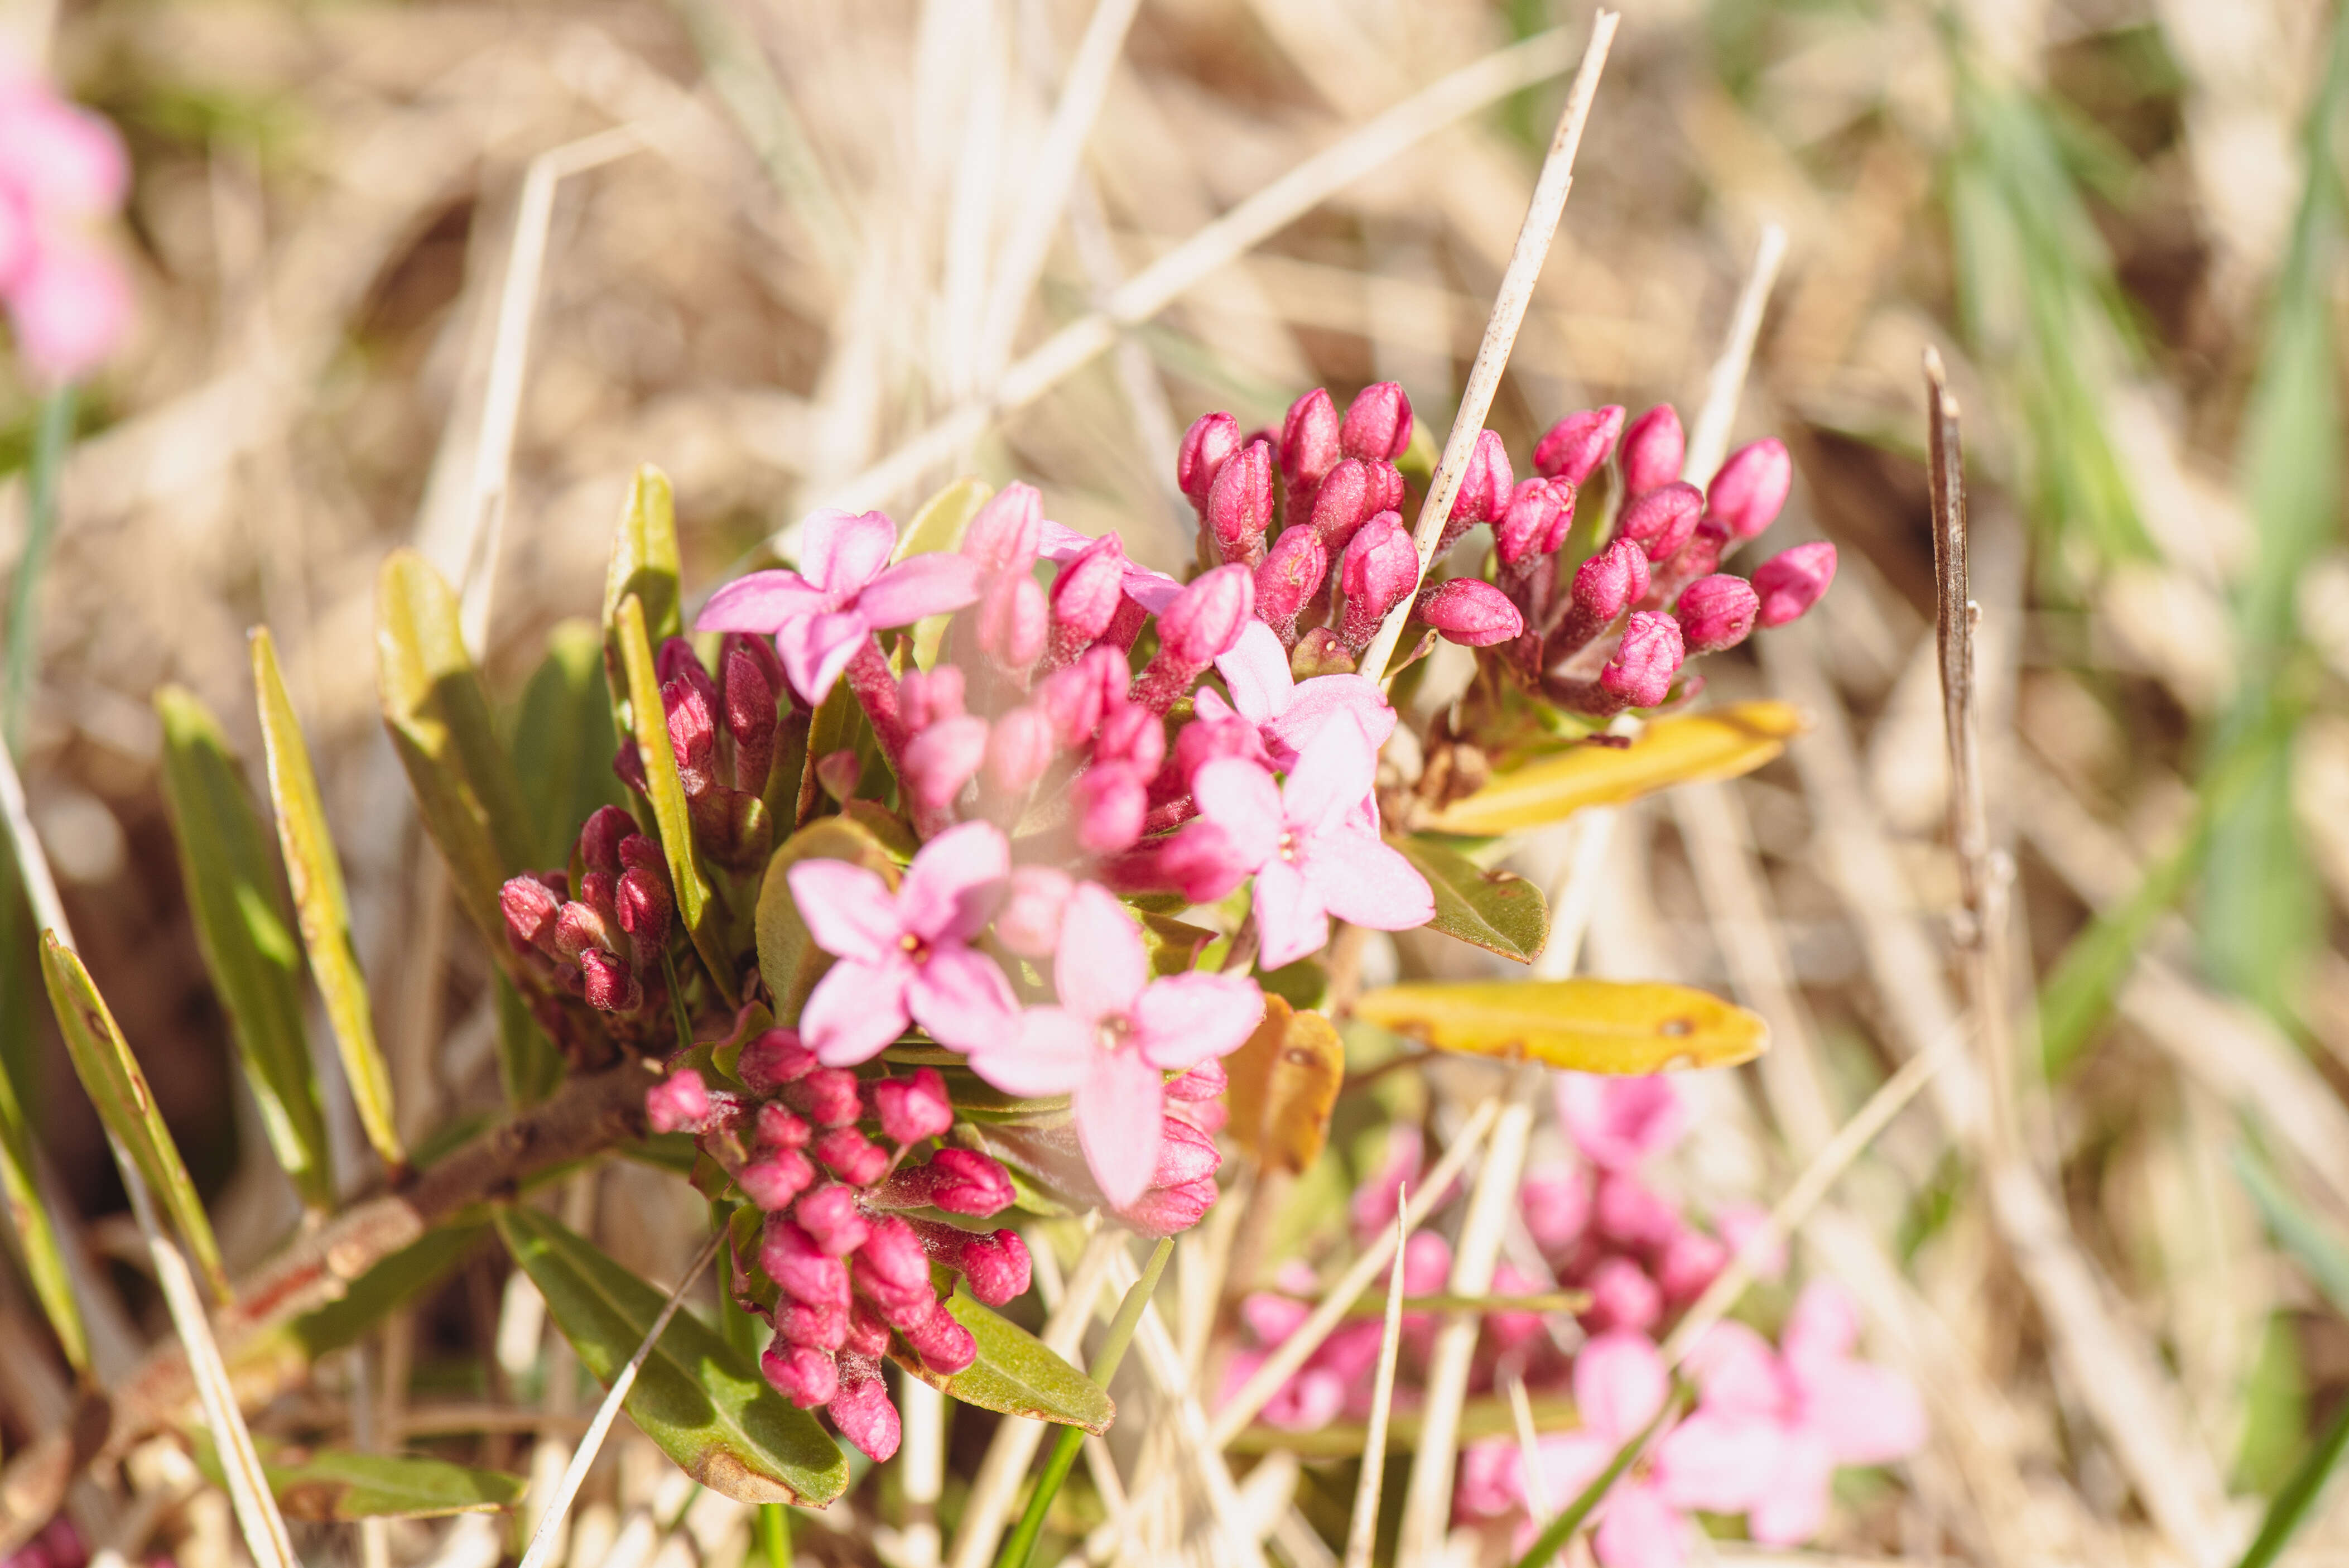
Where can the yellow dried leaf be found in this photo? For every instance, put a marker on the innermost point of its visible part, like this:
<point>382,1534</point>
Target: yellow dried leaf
<point>1284,1086</point>
<point>1719,743</point>
<point>1589,1026</point>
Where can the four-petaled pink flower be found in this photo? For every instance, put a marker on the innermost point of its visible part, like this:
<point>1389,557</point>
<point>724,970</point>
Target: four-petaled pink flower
<point>1286,712</point>
<point>905,954</point>
<point>62,169</point>
<point>845,591</point>
<point>1114,1034</point>
<point>1313,853</point>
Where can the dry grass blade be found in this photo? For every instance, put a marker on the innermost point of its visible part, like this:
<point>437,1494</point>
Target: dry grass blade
<point>1516,290</point>
<point>1709,438</point>
<point>1362,1528</point>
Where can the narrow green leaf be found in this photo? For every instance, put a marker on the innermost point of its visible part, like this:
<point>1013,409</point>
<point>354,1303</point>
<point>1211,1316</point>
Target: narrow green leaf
<point>695,909</point>
<point>1497,911</point>
<point>314,871</point>
<point>111,1074</point>
<point>789,960</point>
<point>529,1067</point>
<point>1588,1026</point>
<point>383,1289</point>
<point>644,565</point>
<point>331,1485</point>
<point>1488,1416</point>
<point>439,722</point>
<point>1016,1373</point>
<point>246,936</point>
<point>2320,1249</point>
<point>1560,1530</point>
<point>2291,1505</point>
<point>564,738</point>
<point>37,1240</point>
<point>696,1398</point>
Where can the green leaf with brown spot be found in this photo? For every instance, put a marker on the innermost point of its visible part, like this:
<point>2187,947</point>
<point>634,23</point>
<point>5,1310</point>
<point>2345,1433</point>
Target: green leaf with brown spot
<point>1497,911</point>
<point>1588,1026</point>
<point>789,958</point>
<point>1016,1374</point>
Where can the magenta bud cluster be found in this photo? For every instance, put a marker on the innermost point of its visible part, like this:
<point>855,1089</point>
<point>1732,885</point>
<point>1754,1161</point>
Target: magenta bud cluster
<point>603,945</point>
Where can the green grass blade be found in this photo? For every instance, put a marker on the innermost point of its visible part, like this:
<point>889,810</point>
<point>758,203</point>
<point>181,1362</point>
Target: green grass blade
<point>245,933</point>
<point>2291,1506</point>
<point>37,1240</point>
<point>2315,1244</point>
<point>321,905</point>
<point>564,738</point>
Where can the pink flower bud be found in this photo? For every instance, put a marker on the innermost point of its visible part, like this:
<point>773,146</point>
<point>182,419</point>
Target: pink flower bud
<point>801,1270</point>
<point>912,1109</point>
<point>1206,1081</point>
<point>1486,485</point>
<point>1611,581</point>
<point>827,1096</point>
<point>1185,1155</point>
<point>945,1346</point>
<point>676,660</point>
<point>1029,921</point>
<point>1622,1296</point>
<point>1019,749</point>
<point>609,985</point>
<point>926,698</point>
<point>644,903</point>
<point>1715,613</point>
<point>628,766</point>
<point>1309,445</point>
<point>1204,741</point>
<point>958,1180</point>
<point>1426,1263</point>
<point>1291,574</point>
<point>830,1216</point>
<point>1629,1211</point>
<point>1378,423</point>
<point>1689,1263</point>
<point>1473,613</point>
<point>1200,626</point>
<point>1748,491</point>
<point>867,1335</point>
<point>1004,533</point>
<point>678,1103</point>
<point>852,1157</point>
<point>1353,493</point>
<point>1555,1203</point>
<point>1577,444</point>
<point>692,734</point>
<point>1652,449</point>
<point>1013,618</point>
<point>1534,522</point>
<point>1085,598</point>
<point>997,1268</point>
<point>861,1411</point>
<point>1206,445</point>
<point>838,772</point>
<point>1109,802</point>
<point>531,910</point>
<point>1239,504</point>
<point>1793,580</point>
<point>1074,698</point>
<point>773,1182</point>
<point>751,720</point>
<point>891,1265</point>
<point>1379,567</point>
<point>801,1374</point>
<point>941,760</point>
<point>1169,1210</point>
<point>599,840</point>
<point>1642,668</point>
<point>773,1059</point>
<point>777,1127</point>
<point>1661,521</point>
<point>814,1327</point>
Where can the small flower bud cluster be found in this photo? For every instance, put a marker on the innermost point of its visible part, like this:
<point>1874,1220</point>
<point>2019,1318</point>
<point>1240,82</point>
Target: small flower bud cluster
<point>605,945</point>
<point>723,737</point>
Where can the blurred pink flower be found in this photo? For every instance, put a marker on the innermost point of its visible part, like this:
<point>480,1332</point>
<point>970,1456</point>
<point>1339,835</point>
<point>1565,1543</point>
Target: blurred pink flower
<point>1113,1033</point>
<point>62,170</point>
<point>69,305</point>
<point>1619,1122</point>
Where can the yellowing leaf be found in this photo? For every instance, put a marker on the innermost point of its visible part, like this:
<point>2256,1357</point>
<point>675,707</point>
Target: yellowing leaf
<point>695,909</point>
<point>1719,743</point>
<point>644,563</point>
<point>1284,1084</point>
<point>1589,1025</point>
<point>789,958</point>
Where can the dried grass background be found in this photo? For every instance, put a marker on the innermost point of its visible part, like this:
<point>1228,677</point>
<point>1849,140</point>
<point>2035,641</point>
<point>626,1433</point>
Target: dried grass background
<point>783,272</point>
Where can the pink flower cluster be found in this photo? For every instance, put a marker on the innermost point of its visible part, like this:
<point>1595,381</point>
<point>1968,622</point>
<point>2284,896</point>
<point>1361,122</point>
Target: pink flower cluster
<point>62,171</point>
<point>605,945</point>
<point>842,1263</point>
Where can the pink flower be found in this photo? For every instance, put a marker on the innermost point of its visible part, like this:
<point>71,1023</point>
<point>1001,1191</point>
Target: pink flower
<point>845,591</point>
<point>1153,591</point>
<point>69,305</point>
<point>65,160</point>
<point>1114,1032</point>
<point>1619,1122</point>
<point>905,953</point>
<point>1290,713</point>
<point>1313,854</point>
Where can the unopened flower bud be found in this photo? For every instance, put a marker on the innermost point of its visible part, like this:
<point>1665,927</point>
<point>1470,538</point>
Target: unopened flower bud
<point>1003,534</point>
<point>1291,574</point>
<point>1751,488</point>
<point>830,1216</point>
<point>941,760</point>
<point>1168,1210</point>
<point>1110,803</point>
<point>891,1263</point>
<point>1378,423</point>
<point>1200,626</point>
<point>925,697</point>
<point>1641,672</point>
<point>1473,613</point>
<point>1661,521</point>
<point>773,1059</point>
<point>1205,740</point>
<point>1534,524</point>
<point>1205,1082</point>
<point>849,1155</point>
<point>1379,567</point>
<point>1239,504</point>
<point>997,1268</point>
<point>861,1411</point>
<point>692,734</point>
<point>1486,485</point>
<point>676,660</point>
<point>678,1103</point>
<point>1715,613</point>
<point>867,1335</point>
<point>945,1346</point>
<point>1013,618</point>
<point>1029,921</point>
<point>644,903</point>
<point>1622,1296</point>
<point>816,1327</point>
<point>773,1182</point>
<point>1074,698</point>
<point>600,837</point>
<point>958,1180</point>
<point>1131,733</point>
<point>1577,444</point>
<point>1792,581</point>
<point>827,1096</point>
<point>1019,749</point>
<point>1692,1260</point>
<point>777,1127</point>
<point>1353,493</point>
<point>801,1270</point>
<point>531,910</point>
<point>610,986</point>
<point>838,772</point>
<point>1652,448</point>
<point>1308,447</point>
<point>628,766</point>
<point>1611,581</point>
<point>802,1374</point>
<point>912,1109</point>
<point>1206,445</point>
<point>751,720</point>
<point>1084,600</point>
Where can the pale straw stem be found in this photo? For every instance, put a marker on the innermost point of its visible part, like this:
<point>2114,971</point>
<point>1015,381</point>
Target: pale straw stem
<point>1709,441</point>
<point>1361,1531</point>
<point>1516,292</point>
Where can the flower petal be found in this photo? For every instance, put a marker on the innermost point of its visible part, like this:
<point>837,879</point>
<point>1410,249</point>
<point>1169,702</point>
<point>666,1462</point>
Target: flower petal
<point>1793,1506</point>
<point>953,885</point>
<point>960,996</point>
<point>855,1010</point>
<point>1119,1106</point>
<point>815,648</point>
<point>1620,1384</point>
<point>1240,798</point>
<point>1866,1414</point>
<point>848,911</point>
<point>1362,880</point>
<point>1257,670</point>
<point>1289,920</point>
<point>840,551</point>
<point>926,585</point>
<point>1185,1019</point>
<point>1640,1529</point>
<point>1330,777</point>
<point>1100,967</point>
<point>762,601</point>
<point>1569,1462</point>
<point>1048,1051</point>
<point>1822,1326</point>
<point>1721,1464</point>
<point>1325,697</point>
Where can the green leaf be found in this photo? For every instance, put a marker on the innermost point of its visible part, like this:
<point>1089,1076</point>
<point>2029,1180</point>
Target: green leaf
<point>329,1486</point>
<point>696,910</point>
<point>37,1240</point>
<point>247,938</point>
<point>112,1076</point>
<point>1497,911</point>
<point>789,960</point>
<point>644,564</point>
<point>1719,743</point>
<point>315,872</point>
<point>1587,1025</point>
<point>2299,1496</point>
<point>699,1399</point>
<point>2320,1249</point>
<point>1488,1416</point>
<point>440,726</point>
<point>529,1067</point>
<point>564,740</point>
<point>1016,1373</point>
<point>383,1289</point>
